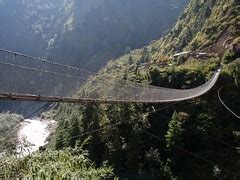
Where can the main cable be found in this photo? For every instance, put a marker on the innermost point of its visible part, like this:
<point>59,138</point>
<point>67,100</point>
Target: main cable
<point>220,99</point>
<point>41,70</point>
<point>46,61</point>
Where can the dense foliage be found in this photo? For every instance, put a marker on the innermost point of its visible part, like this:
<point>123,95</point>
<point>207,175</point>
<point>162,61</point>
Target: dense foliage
<point>9,124</point>
<point>68,163</point>
<point>192,125</point>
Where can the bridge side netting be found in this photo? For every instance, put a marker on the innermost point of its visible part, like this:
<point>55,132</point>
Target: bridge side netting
<point>121,90</point>
<point>23,74</point>
<point>38,63</point>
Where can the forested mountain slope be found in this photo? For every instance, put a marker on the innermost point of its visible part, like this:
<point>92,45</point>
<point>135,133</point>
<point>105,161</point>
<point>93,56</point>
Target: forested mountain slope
<point>196,139</point>
<point>187,132</point>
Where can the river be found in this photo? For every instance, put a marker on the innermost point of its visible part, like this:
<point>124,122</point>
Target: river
<point>33,134</point>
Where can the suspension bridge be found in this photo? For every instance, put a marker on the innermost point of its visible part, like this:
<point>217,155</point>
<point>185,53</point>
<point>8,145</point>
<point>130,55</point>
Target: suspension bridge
<point>27,78</point>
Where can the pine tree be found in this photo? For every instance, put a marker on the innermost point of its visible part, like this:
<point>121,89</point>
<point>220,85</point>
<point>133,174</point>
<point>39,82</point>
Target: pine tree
<point>91,118</point>
<point>145,55</point>
<point>59,141</point>
<point>65,134</point>
<point>128,50</point>
<point>130,60</point>
<point>74,132</point>
<point>236,75</point>
<point>174,133</point>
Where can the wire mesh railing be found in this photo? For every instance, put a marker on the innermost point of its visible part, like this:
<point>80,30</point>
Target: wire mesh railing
<point>25,75</point>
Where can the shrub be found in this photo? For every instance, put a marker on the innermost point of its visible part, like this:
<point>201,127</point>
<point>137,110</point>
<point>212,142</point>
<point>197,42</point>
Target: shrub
<point>228,56</point>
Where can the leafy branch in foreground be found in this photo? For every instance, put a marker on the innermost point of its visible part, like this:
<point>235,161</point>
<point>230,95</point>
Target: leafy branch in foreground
<point>66,163</point>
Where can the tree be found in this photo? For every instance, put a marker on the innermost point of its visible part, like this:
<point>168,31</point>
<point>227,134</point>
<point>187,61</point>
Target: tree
<point>236,74</point>
<point>128,50</point>
<point>59,141</point>
<point>228,56</point>
<point>65,134</point>
<point>91,122</point>
<point>130,60</point>
<point>145,55</point>
<point>74,132</point>
<point>174,133</point>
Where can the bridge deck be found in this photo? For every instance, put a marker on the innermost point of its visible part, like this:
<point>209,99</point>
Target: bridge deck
<point>29,97</point>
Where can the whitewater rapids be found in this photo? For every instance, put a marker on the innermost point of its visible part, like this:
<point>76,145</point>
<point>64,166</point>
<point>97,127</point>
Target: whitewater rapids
<point>33,134</point>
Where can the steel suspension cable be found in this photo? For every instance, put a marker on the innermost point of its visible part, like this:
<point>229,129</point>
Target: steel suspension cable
<point>222,102</point>
<point>70,67</point>
<point>46,61</point>
<point>41,70</point>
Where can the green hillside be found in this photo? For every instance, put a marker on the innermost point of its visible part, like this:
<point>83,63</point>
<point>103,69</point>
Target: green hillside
<point>202,126</point>
<point>207,25</point>
<point>195,139</point>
